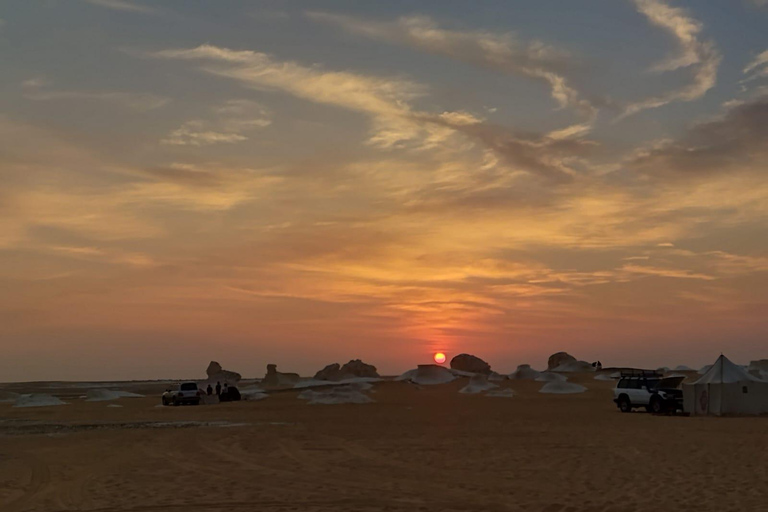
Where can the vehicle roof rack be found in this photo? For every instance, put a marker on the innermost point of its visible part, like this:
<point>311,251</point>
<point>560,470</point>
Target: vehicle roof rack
<point>641,373</point>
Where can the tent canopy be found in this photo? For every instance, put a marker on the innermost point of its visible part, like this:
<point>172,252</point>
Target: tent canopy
<point>725,372</point>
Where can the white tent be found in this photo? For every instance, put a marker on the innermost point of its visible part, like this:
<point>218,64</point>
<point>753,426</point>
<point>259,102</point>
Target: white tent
<point>726,388</point>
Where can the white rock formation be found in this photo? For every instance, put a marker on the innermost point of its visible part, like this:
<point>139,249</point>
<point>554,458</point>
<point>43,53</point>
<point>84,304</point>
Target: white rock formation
<point>477,384</point>
<point>496,377</point>
<point>353,369</point>
<point>558,359</point>
<point>217,374</point>
<point>37,400</point>
<point>102,395</point>
<point>562,388</point>
<point>524,372</point>
<point>334,396</point>
<point>275,379</point>
<point>470,363</point>
<point>428,375</point>
<point>550,377</point>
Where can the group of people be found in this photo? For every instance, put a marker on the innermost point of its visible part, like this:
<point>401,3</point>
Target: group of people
<point>224,394</point>
<point>209,390</point>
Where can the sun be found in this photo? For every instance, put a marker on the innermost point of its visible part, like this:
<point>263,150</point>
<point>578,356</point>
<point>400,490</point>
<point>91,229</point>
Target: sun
<point>439,358</point>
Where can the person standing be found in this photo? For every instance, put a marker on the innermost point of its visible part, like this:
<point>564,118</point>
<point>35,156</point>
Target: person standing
<point>218,389</point>
<point>209,390</point>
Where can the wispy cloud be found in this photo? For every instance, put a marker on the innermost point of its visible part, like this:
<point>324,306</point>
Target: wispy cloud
<point>387,101</point>
<point>758,67</point>
<point>231,121</point>
<point>37,89</point>
<point>123,5</point>
<point>701,57</point>
<point>501,52</point>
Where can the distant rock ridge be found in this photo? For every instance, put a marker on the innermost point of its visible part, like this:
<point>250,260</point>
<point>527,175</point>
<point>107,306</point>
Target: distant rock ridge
<point>470,363</point>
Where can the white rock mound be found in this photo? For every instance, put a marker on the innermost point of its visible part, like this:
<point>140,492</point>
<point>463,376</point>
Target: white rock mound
<point>496,377</point>
<point>562,388</point>
<point>37,400</point>
<point>428,375</point>
<point>604,376</point>
<point>103,395</point>
<point>335,396</point>
<point>524,372</point>
<point>550,377</point>
<point>683,368</point>
<point>477,384</point>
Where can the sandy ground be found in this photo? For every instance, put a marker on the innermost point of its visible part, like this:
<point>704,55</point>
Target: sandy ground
<point>429,449</point>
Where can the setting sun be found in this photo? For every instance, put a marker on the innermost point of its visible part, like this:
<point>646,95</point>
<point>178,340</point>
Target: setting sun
<point>439,358</point>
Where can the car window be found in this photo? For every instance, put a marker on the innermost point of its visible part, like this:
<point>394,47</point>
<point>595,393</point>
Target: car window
<point>190,386</point>
<point>622,384</point>
<point>636,384</point>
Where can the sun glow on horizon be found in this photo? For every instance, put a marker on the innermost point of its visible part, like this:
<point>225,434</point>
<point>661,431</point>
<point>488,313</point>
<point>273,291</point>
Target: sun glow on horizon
<point>439,358</point>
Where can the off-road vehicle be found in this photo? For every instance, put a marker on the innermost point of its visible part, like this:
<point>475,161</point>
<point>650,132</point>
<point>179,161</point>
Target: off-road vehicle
<point>649,389</point>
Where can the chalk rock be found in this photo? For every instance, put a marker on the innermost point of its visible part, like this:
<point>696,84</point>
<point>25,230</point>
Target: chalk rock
<point>496,377</point>
<point>559,359</point>
<point>470,363</point>
<point>330,372</point>
<point>217,374</point>
<point>550,377</point>
<point>276,379</point>
<point>562,388</point>
<point>353,369</point>
<point>524,372</point>
<point>428,375</point>
<point>477,384</point>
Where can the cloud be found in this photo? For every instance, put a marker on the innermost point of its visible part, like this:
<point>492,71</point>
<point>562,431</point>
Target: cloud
<point>701,57</point>
<point>665,272</point>
<point>230,122</point>
<point>736,141</point>
<point>36,89</point>
<point>122,5</point>
<point>758,67</point>
<point>499,52</point>
<point>395,123</point>
<point>385,100</point>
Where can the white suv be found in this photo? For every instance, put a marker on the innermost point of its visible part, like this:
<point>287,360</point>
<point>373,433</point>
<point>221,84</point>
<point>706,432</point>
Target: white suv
<point>187,393</point>
<point>649,389</point>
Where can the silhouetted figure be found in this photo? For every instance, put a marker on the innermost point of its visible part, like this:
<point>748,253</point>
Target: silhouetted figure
<point>218,389</point>
<point>209,390</point>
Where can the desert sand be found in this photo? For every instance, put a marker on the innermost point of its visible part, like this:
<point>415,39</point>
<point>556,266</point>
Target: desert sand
<point>415,448</point>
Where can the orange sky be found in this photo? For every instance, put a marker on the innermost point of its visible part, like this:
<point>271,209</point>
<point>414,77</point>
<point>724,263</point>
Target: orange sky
<point>304,187</point>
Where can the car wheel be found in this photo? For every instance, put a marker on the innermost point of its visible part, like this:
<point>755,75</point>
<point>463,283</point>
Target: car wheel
<point>624,404</point>
<point>657,405</point>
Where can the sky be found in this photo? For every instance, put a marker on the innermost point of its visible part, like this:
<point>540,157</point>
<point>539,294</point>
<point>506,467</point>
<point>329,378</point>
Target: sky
<point>309,182</point>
